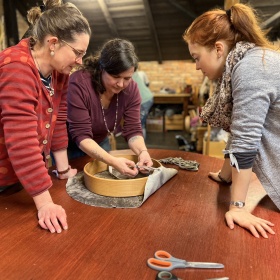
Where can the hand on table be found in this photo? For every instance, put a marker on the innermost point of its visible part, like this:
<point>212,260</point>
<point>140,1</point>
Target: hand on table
<point>246,220</point>
<point>219,177</point>
<point>52,217</point>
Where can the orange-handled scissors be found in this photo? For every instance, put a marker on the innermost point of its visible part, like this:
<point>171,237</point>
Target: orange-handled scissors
<point>163,261</point>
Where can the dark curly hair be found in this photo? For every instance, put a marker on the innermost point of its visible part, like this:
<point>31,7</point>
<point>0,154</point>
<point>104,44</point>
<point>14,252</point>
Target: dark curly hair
<point>115,56</point>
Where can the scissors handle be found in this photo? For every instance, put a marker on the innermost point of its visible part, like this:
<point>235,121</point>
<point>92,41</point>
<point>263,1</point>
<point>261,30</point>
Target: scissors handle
<point>161,265</point>
<point>166,275</point>
<point>165,256</point>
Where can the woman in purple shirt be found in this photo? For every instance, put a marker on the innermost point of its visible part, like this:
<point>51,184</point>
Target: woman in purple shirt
<point>104,100</point>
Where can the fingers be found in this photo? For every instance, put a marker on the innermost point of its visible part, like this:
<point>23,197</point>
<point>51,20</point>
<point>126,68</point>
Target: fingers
<point>131,171</point>
<point>52,225</point>
<point>42,223</point>
<point>214,176</point>
<point>62,217</point>
<point>262,227</point>
<point>257,226</point>
<point>229,221</point>
<point>131,168</point>
<point>255,232</point>
<point>53,218</point>
<point>147,162</point>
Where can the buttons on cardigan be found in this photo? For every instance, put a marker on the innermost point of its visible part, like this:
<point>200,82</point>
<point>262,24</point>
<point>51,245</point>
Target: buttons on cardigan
<point>50,110</point>
<point>45,142</point>
<point>47,125</point>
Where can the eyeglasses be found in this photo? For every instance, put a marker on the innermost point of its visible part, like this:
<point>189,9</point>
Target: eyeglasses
<point>78,54</point>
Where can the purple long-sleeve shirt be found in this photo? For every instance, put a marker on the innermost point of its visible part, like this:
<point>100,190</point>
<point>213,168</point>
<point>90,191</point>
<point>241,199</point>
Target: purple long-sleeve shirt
<point>85,112</point>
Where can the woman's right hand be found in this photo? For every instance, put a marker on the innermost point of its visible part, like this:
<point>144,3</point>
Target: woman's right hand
<point>52,217</point>
<point>220,177</point>
<point>125,166</point>
<point>224,175</point>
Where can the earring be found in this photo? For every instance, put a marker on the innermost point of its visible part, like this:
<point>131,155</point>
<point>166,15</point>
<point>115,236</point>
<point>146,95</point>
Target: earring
<point>52,53</point>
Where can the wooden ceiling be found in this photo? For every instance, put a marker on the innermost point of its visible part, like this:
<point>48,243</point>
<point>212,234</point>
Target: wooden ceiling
<point>155,27</point>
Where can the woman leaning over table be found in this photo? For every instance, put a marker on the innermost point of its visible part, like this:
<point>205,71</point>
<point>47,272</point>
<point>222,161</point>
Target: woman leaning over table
<point>229,46</point>
<point>101,96</point>
<point>34,78</point>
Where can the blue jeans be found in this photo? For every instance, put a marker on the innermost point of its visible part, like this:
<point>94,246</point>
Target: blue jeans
<point>75,151</point>
<point>144,112</point>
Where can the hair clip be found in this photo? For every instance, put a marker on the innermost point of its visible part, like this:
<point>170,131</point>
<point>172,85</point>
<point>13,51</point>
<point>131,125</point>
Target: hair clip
<point>228,12</point>
<point>42,8</point>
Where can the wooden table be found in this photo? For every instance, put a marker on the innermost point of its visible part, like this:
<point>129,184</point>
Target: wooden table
<point>173,98</point>
<point>185,217</point>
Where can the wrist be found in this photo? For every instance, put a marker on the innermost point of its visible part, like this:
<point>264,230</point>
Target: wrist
<point>142,151</point>
<point>42,199</point>
<point>39,208</point>
<point>64,171</point>
<point>62,174</point>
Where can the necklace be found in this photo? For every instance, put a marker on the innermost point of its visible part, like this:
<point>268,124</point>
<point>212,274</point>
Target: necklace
<point>45,81</point>
<point>115,125</point>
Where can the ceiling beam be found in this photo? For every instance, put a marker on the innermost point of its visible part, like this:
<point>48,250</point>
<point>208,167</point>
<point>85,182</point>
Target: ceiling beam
<point>187,12</point>
<point>10,18</point>
<point>153,29</point>
<point>270,20</point>
<point>108,17</point>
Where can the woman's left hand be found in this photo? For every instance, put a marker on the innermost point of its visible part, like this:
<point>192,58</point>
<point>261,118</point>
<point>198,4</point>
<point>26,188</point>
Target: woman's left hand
<point>144,159</point>
<point>246,220</point>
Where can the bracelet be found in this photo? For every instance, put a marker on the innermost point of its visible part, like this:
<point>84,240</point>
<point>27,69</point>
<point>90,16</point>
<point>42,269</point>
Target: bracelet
<point>64,171</point>
<point>142,151</point>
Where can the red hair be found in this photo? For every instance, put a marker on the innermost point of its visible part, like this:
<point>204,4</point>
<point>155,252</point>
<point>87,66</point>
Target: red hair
<point>240,23</point>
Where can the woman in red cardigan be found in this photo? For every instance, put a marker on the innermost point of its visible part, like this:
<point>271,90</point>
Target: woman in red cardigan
<point>34,80</point>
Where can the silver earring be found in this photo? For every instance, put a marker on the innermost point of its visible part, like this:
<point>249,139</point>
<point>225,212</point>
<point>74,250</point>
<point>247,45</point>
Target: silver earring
<point>52,53</point>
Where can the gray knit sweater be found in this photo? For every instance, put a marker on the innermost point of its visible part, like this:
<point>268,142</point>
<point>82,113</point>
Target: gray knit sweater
<point>256,115</point>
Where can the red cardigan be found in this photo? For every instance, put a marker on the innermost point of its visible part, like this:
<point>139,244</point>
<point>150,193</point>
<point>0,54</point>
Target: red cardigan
<point>31,121</point>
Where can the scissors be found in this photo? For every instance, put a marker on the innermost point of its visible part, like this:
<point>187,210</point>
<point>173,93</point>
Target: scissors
<point>166,275</point>
<point>163,261</point>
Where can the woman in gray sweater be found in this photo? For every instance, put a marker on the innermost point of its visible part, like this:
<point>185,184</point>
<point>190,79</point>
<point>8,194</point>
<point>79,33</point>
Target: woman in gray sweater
<point>230,47</point>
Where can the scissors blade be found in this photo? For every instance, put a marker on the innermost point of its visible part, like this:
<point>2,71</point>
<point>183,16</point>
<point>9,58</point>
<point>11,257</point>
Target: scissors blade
<point>205,265</point>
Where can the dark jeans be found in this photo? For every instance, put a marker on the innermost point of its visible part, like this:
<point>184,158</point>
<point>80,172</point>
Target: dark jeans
<point>8,190</point>
<point>144,112</point>
<point>74,151</point>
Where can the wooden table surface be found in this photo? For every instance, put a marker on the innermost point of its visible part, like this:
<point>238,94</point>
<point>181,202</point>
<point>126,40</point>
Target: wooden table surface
<point>185,217</point>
